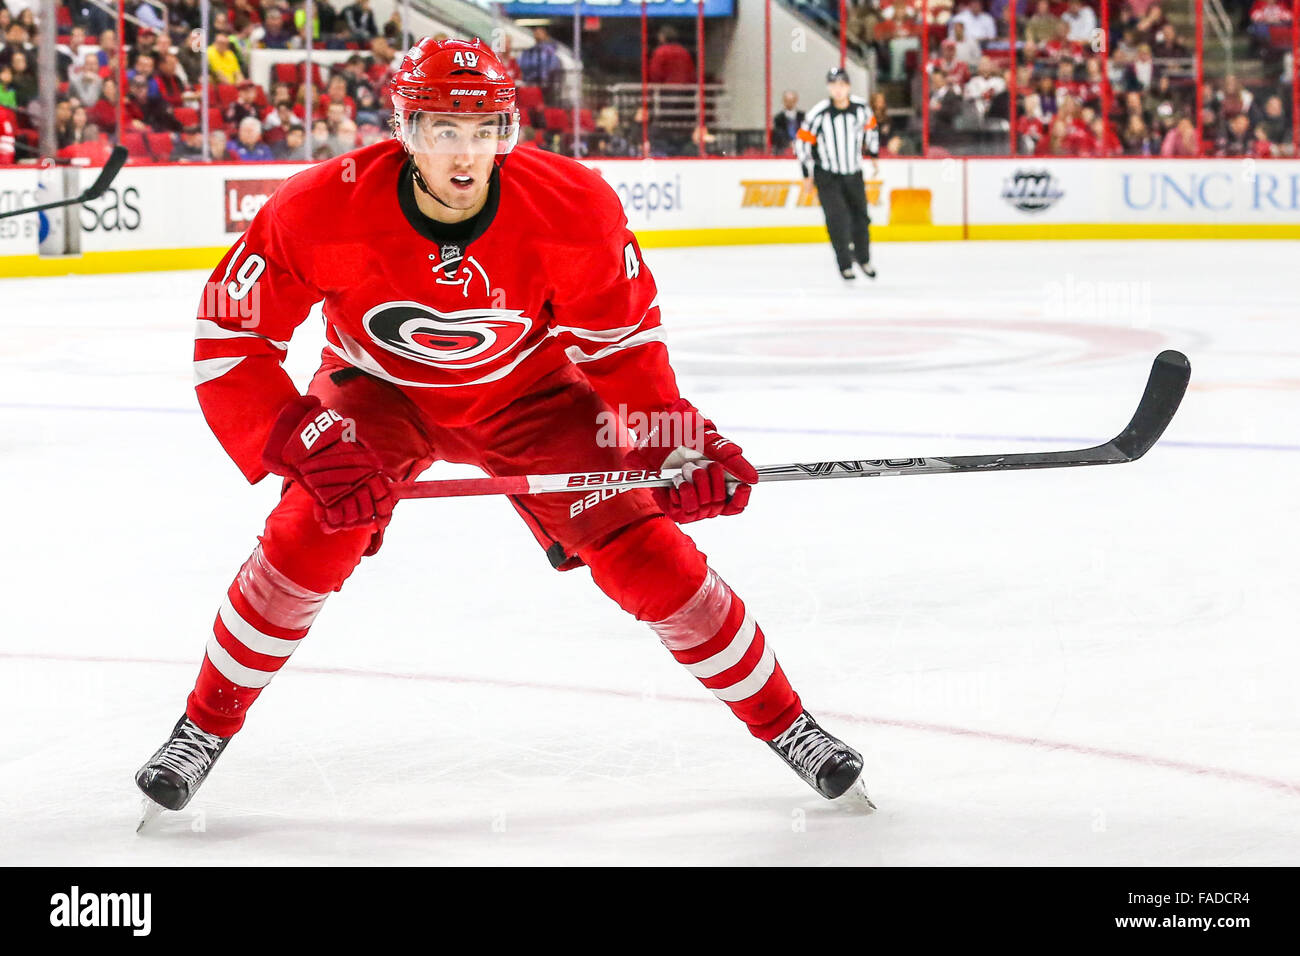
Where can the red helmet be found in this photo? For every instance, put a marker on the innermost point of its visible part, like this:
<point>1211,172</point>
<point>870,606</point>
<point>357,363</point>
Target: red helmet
<point>452,76</point>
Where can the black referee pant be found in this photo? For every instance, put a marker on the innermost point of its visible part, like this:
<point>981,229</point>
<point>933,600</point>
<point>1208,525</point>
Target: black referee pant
<point>844,201</point>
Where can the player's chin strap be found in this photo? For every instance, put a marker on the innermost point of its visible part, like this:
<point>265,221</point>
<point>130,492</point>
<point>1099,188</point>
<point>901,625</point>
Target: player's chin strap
<point>419,181</point>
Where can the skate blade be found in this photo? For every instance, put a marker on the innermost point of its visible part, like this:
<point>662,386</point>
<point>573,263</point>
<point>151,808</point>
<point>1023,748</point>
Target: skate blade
<point>856,798</point>
<point>149,812</point>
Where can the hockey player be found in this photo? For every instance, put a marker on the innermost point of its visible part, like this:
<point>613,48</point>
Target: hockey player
<point>484,306</point>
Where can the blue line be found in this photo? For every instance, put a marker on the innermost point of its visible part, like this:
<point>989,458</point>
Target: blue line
<point>1063,440</point>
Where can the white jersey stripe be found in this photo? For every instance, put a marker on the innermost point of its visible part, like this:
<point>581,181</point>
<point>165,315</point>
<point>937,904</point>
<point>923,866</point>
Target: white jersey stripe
<point>205,370</point>
<point>577,356</point>
<point>207,329</point>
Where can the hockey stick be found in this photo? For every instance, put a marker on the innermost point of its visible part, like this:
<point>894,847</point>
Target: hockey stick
<point>1165,387</point>
<point>116,160</point>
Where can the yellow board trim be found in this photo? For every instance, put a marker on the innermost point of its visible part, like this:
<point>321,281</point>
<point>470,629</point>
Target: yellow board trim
<point>133,260</point>
<point>163,260</point>
<point>1137,230</point>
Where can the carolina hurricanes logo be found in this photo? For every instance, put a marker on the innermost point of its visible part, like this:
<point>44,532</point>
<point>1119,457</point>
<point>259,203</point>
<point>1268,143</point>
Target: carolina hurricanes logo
<point>464,339</point>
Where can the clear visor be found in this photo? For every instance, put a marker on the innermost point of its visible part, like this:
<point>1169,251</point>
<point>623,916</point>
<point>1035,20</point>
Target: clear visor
<point>459,133</point>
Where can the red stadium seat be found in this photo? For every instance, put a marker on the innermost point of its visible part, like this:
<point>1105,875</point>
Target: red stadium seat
<point>585,120</point>
<point>227,93</point>
<point>285,73</point>
<point>557,119</point>
<point>529,98</point>
<point>160,145</point>
<point>136,147</point>
<point>63,18</point>
<point>214,119</point>
<point>187,116</point>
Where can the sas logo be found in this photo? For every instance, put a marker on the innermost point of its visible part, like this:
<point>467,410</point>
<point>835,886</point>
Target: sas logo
<point>452,340</point>
<point>1033,190</point>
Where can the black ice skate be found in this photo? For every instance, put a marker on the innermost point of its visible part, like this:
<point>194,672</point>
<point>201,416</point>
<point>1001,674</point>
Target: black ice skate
<point>827,764</point>
<point>848,273</point>
<point>174,773</point>
<point>867,269</point>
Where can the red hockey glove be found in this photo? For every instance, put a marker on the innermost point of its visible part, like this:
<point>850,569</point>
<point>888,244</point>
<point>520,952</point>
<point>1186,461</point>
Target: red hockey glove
<point>716,478</point>
<point>310,444</point>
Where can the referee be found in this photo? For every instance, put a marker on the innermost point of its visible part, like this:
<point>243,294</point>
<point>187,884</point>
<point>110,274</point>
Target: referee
<point>830,143</point>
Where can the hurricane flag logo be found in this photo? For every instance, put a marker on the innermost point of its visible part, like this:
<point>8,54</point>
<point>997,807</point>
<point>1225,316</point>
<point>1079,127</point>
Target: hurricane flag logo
<point>464,339</point>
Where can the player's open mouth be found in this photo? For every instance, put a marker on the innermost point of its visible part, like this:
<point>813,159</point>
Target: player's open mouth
<point>462,182</point>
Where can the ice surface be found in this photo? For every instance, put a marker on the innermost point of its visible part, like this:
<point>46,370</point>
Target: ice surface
<point>1080,666</point>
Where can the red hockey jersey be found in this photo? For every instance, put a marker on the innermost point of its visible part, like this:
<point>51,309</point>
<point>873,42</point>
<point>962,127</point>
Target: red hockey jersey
<point>550,275</point>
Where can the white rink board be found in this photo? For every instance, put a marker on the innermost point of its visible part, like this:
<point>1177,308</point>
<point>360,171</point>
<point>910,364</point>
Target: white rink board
<point>1037,192</point>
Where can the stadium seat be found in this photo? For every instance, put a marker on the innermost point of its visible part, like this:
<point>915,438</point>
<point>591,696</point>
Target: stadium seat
<point>557,119</point>
<point>214,119</point>
<point>529,98</point>
<point>187,116</point>
<point>136,147</point>
<point>160,145</point>
<point>285,73</point>
<point>585,120</point>
<point>227,93</point>
<point>63,18</point>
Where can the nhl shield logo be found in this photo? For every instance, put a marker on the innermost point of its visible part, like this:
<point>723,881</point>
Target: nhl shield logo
<point>1032,190</point>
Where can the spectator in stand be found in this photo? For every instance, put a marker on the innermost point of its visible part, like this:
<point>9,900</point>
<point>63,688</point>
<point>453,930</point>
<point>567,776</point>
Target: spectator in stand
<point>146,114</point>
<point>167,84</point>
<point>1237,139</point>
<point>320,140</point>
<point>955,69</point>
<point>671,62</point>
<point>1273,120</point>
<point>16,40</point>
<point>187,13</point>
<point>280,117</point>
<point>1047,98</point>
<point>23,82</point>
<point>984,87</point>
<point>979,24</point>
<point>354,74</point>
<point>191,57</point>
<point>243,106</point>
<point>276,34</point>
<point>291,146</point>
<point>336,91</point>
<point>344,138</point>
<point>539,64</point>
<point>1234,98</point>
<point>508,60</point>
<point>223,62</point>
<point>1181,140</point>
<point>945,106</point>
<point>103,113</point>
<point>69,54</point>
<point>1142,17</point>
<point>393,31</point>
<point>965,49</point>
<point>1263,15</point>
<point>84,81</point>
<point>1142,72</point>
<point>248,146</point>
<point>786,123</point>
<point>62,124</point>
<point>1166,45</point>
<point>368,109</point>
<point>1081,20</point>
<point>189,147</point>
<point>1125,51</point>
<point>82,129</point>
<point>880,110</point>
<point>218,146</point>
<point>142,66</point>
<point>1135,136</point>
<point>1041,27</point>
<point>359,21</point>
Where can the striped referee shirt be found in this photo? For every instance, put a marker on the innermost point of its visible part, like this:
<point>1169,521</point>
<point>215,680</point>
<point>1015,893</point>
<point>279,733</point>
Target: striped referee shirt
<point>835,139</point>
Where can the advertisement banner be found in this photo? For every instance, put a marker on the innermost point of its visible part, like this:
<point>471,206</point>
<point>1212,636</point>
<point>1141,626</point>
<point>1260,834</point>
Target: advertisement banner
<point>1138,198</point>
<point>616,8</point>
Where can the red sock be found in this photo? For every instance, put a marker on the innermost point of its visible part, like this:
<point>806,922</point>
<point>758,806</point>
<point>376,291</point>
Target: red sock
<point>651,570</point>
<point>717,640</point>
<point>259,625</point>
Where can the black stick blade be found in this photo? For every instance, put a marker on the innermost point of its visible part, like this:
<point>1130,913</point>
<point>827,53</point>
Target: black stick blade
<point>1166,386</point>
<point>116,160</point>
